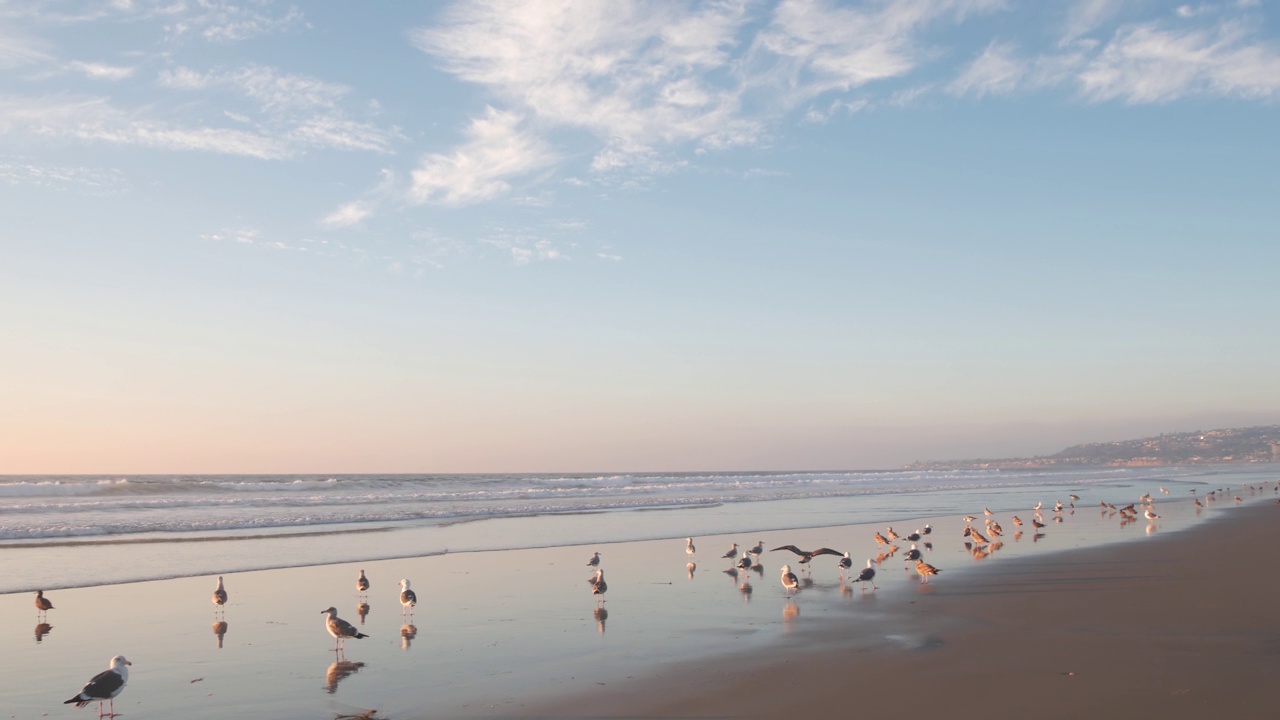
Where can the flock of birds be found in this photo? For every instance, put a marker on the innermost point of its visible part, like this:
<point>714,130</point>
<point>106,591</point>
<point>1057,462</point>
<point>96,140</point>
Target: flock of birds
<point>106,685</point>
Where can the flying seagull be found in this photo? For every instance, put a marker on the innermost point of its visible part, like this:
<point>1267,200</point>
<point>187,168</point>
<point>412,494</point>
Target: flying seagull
<point>106,685</point>
<point>806,556</point>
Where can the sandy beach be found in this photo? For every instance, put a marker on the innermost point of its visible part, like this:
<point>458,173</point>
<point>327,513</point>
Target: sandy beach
<point>1184,626</point>
<point>1089,616</point>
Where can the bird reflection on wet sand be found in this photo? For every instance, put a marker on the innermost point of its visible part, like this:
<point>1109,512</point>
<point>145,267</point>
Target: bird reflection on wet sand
<point>219,631</point>
<point>790,612</point>
<point>42,629</point>
<point>407,634</point>
<point>692,567</point>
<point>339,670</point>
<point>601,615</point>
<point>746,590</point>
<point>362,610</point>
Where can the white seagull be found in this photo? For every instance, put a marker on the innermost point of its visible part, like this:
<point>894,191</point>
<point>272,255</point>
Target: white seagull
<point>599,587</point>
<point>1150,515</point>
<point>340,629</point>
<point>789,579</point>
<point>106,685</point>
<point>845,563</point>
<point>408,598</point>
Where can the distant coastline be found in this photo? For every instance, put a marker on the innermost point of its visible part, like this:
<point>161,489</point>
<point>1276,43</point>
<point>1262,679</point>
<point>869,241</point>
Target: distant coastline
<point>1200,447</point>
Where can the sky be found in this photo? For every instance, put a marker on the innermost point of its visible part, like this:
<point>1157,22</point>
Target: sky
<point>250,236</point>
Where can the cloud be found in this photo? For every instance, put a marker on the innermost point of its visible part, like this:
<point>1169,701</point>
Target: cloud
<point>16,51</point>
<point>1148,64</point>
<point>101,71</point>
<point>347,215</point>
<point>95,119</point>
<point>93,181</point>
<point>997,71</point>
<point>224,22</point>
<point>635,75</point>
<point>496,150</point>
<point>302,110</point>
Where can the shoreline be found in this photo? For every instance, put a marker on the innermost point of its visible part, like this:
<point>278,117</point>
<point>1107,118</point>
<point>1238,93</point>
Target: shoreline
<point>1182,626</point>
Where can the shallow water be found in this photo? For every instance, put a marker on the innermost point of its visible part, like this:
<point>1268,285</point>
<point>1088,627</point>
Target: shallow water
<point>82,531</point>
<point>497,630</point>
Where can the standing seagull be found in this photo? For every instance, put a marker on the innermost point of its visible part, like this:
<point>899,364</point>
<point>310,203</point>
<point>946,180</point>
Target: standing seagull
<point>925,570</point>
<point>867,575</point>
<point>758,550</point>
<point>408,598</point>
<point>599,587</point>
<point>733,552</point>
<point>340,629</point>
<point>43,604</point>
<point>845,563</point>
<point>689,548</point>
<point>362,583</point>
<point>594,561</point>
<point>106,685</point>
<point>789,579</point>
<point>219,595</point>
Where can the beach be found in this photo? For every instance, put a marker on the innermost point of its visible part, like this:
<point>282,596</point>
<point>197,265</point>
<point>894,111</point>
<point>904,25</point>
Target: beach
<point>1184,626</point>
<point>1089,615</point>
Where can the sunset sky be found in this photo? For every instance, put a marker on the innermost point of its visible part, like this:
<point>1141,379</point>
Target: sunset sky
<point>241,236</point>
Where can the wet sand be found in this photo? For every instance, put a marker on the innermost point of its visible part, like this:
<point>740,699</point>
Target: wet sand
<point>1184,625</point>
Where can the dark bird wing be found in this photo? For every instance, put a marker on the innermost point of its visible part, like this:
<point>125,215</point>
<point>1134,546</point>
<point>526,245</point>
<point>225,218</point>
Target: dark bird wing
<point>792,548</point>
<point>345,629</point>
<point>105,685</point>
<point>825,551</point>
<point>409,596</point>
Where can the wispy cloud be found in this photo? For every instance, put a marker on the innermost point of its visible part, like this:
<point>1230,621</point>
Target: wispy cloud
<point>89,180</point>
<point>496,150</point>
<point>218,21</point>
<point>1150,64</point>
<point>347,215</point>
<point>96,119</point>
<point>101,71</point>
<point>16,51</point>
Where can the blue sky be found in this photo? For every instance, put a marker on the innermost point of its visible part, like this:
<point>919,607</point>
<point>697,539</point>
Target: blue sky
<point>579,236</point>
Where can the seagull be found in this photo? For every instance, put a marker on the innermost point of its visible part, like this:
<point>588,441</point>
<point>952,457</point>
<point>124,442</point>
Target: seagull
<point>1017,520</point>
<point>927,529</point>
<point>1038,506</point>
<point>594,561</point>
<point>106,685</point>
<point>1198,503</point>
<point>219,594</point>
<point>43,604</point>
<point>688,546</point>
<point>1150,514</point>
<point>925,570</point>
<point>789,580</point>
<point>880,540</point>
<point>845,563</point>
<point>806,556</point>
<point>995,529</point>
<point>892,535</point>
<point>914,536</point>
<point>1074,497</point>
<point>599,587</point>
<point>912,555</point>
<point>408,598</point>
<point>978,537</point>
<point>1037,523</point>
<point>362,583</point>
<point>969,519</point>
<point>745,562</point>
<point>987,511</point>
<point>733,552</point>
<point>758,549</point>
<point>340,629</point>
<point>867,575</point>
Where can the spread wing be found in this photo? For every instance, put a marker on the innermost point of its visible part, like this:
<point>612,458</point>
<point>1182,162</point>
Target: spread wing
<point>826,551</point>
<point>792,548</point>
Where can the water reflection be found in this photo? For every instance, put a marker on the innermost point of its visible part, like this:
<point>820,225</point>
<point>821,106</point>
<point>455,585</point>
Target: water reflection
<point>407,634</point>
<point>339,670</point>
<point>42,629</point>
<point>692,567</point>
<point>790,611</point>
<point>601,615</point>
<point>362,610</point>
<point>746,590</point>
<point>219,631</point>
<point>733,575</point>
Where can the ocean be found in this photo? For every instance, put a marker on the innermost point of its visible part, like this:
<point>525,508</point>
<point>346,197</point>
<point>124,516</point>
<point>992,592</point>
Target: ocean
<point>75,531</point>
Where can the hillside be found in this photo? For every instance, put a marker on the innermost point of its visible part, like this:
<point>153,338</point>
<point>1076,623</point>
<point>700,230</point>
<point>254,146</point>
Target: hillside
<point>1201,447</point>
